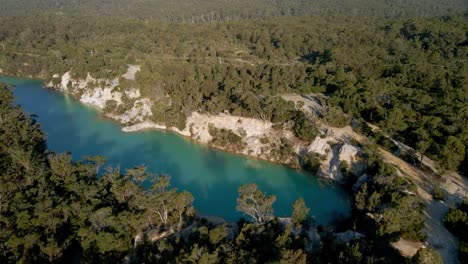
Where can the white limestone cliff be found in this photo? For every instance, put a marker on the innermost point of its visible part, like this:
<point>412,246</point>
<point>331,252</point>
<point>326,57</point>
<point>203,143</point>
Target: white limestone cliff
<point>259,137</point>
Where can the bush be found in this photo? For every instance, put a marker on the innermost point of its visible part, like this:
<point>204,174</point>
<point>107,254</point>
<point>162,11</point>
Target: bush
<point>304,128</point>
<point>438,193</point>
<point>427,256</point>
<point>310,162</point>
<point>456,221</point>
<point>336,117</point>
<point>111,105</point>
<point>224,137</point>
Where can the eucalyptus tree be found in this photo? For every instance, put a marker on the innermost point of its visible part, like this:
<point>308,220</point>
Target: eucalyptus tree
<point>254,203</point>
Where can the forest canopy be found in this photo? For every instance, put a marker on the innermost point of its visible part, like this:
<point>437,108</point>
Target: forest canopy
<point>398,65</point>
<point>54,210</point>
<point>222,10</point>
<point>407,76</point>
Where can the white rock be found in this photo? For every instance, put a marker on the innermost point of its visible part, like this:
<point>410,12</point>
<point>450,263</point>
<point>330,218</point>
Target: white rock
<point>330,167</point>
<point>143,126</point>
<point>251,126</point>
<point>349,153</point>
<point>98,97</point>
<point>140,112</point>
<point>133,93</point>
<point>250,129</point>
<point>131,71</point>
<point>319,146</point>
<point>65,80</point>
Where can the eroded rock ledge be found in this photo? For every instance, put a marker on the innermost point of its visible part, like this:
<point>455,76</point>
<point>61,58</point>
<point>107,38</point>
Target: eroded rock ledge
<point>258,138</point>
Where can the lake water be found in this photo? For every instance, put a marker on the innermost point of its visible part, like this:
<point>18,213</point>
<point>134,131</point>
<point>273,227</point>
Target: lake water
<point>212,176</point>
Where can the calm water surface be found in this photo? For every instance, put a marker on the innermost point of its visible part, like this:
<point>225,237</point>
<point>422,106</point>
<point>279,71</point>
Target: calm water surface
<point>211,176</point>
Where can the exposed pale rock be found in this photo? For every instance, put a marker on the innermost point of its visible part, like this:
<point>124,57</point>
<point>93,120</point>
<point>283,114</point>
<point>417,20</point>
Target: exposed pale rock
<point>252,131</point>
<point>143,126</point>
<point>319,146</point>
<point>133,93</point>
<point>140,112</point>
<point>131,71</point>
<point>407,248</point>
<point>348,153</point>
<point>330,166</point>
<point>98,97</point>
<point>65,80</point>
<point>214,220</point>
<point>335,154</point>
<point>251,126</point>
<point>311,102</point>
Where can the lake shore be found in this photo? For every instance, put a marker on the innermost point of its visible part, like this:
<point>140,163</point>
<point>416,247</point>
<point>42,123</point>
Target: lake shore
<point>259,139</point>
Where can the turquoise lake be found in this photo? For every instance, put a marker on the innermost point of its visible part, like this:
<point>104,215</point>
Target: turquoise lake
<point>212,176</point>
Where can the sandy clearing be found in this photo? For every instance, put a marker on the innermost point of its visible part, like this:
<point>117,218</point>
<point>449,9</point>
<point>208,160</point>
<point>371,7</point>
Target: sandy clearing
<point>407,248</point>
<point>131,71</point>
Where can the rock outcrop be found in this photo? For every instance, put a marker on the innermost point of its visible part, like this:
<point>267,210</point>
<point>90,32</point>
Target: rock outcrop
<point>335,152</point>
<point>259,138</point>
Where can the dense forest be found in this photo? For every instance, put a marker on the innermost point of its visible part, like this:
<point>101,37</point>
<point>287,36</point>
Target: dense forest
<point>223,10</point>
<point>53,209</point>
<point>394,69</point>
<point>407,76</point>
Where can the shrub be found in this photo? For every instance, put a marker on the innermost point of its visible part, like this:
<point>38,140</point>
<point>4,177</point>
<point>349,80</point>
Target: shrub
<point>427,256</point>
<point>438,193</point>
<point>310,162</point>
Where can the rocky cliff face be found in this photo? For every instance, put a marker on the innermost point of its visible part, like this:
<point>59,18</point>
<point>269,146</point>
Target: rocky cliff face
<point>336,153</point>
<point>259,138</point>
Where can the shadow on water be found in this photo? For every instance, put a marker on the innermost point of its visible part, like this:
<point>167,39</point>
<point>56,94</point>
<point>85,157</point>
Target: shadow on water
<point>213,177</point>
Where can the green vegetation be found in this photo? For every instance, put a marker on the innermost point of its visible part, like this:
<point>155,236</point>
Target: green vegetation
<point>438,193</point>
<point>220,10</point>
<point>226,138</point>
<point>255,203</point>
<point>300,211</point>
<point>390,202</point>
<point>456,221</point>
<point>407,76</point>
<point>311,162</point>
<point>49,203</point>
<point>53,208</point>
<point>427,256</point>
<point>399,65</point>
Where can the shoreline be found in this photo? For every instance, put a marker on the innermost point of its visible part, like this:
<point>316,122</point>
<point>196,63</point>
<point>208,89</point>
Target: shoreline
<point>151,126</point>
<point>197,129</point>
<point>163,129</point>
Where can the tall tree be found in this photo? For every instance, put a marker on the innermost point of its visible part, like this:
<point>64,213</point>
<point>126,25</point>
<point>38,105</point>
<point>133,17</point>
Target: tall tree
<point>300,211</point>
<point>254,203</point>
